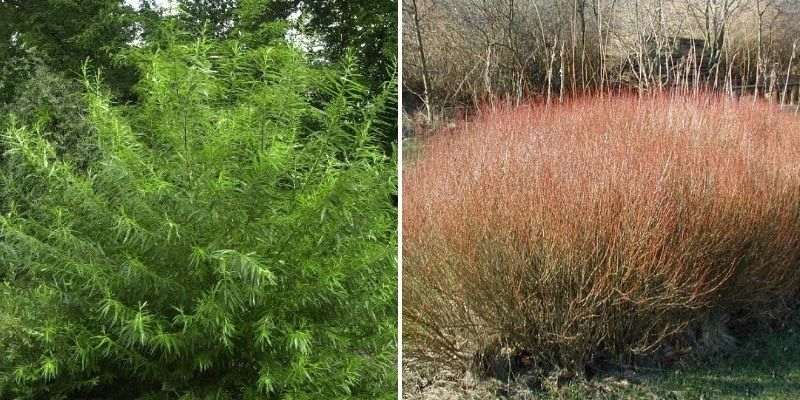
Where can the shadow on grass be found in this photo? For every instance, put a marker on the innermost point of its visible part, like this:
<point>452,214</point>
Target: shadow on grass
<point>766,367</point>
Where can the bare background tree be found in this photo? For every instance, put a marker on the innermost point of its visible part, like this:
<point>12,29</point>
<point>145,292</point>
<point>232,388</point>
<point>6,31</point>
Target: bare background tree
<point>463,53</point>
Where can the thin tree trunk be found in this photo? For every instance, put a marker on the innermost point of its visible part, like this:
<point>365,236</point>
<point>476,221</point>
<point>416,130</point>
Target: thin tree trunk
<point>425,73</point>
<point>788,73</point>
<point>561,76</point>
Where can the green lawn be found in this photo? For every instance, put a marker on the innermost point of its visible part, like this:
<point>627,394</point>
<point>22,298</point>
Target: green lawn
<point>762,368</point>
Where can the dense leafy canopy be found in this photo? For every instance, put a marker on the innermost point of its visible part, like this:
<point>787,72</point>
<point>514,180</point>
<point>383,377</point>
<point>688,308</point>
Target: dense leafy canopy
<point>230,235</point>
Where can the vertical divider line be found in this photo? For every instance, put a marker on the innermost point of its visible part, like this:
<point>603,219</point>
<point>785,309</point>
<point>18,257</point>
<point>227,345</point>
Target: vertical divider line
<point>399,200</point>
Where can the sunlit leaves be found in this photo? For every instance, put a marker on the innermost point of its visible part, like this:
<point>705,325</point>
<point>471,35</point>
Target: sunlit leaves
<point>264,328</point>
<point>299,341</point>
<point>48,368</point>
<point>265,384</point>
<point>245,267</point>
<point>138,329</point>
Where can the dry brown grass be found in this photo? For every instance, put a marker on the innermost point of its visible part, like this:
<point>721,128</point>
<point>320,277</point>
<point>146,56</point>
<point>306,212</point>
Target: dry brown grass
<point>599,227</point>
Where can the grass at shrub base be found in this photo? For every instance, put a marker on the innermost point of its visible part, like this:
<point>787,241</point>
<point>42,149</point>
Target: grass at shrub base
<point>765,367</point>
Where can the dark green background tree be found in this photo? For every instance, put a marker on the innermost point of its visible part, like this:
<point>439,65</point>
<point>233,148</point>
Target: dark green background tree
<point>367,28</point>
<point>66,33</point>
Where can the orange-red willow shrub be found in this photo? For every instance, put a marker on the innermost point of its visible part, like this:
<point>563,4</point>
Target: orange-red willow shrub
<point>600,226</point>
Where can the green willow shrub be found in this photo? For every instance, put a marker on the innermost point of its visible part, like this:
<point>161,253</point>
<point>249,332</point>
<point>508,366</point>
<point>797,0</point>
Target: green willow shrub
<point>234,240</point>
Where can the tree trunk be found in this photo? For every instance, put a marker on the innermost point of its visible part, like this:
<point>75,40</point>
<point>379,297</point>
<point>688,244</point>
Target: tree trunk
<point>425,73</point>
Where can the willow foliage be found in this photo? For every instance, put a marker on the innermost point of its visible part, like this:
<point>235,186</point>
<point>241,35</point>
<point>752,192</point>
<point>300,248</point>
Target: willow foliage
<point>233,239</point>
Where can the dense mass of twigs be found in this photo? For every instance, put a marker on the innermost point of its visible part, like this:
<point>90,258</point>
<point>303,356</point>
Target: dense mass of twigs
<point>601,226</point>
